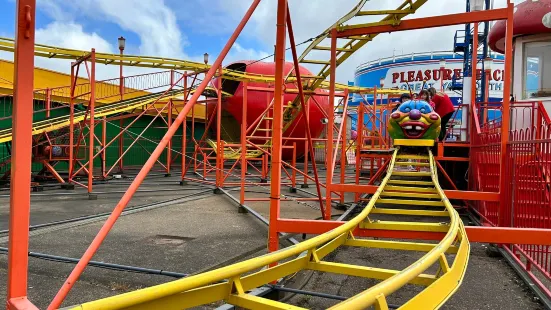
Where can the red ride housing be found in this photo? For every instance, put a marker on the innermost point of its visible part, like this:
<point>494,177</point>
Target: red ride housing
<point>258,101</point>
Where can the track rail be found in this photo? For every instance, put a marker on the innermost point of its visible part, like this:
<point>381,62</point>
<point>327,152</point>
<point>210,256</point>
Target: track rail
<point>48,51</point>
<point>232,283</point>
<point>56,123</point>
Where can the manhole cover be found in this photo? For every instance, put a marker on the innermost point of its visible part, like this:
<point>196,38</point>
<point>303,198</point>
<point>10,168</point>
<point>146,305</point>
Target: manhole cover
<point>168,239</point>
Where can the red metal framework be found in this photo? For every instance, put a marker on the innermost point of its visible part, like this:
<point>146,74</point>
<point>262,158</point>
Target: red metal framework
<point>517,219</point>
<point>20,202</point>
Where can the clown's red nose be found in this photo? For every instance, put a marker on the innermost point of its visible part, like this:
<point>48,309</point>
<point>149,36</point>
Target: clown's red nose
<point>415,114</point>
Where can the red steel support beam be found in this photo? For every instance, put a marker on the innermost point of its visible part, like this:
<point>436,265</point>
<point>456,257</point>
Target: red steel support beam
<point>305,111</point>
<point>102,234</point>
<point>91,119</point>
<point>507,76</point>
<point>451,194</point>
<point>484,234</point>
<point>277,126</point>
<point>104,149</point>
<point>71,122</point>
<point>244,143</point>
<point>169,122</point>
<point>220,152</point>
<point>20,198</point>
<point>330,124</point>
<point>359,144</point>
<point>184,125</point>
<point>427,22</point>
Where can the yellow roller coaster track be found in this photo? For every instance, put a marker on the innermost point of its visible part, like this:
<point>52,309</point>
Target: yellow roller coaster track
<point>421,196</point>
<point>56,123</point>
<point>47,51</point>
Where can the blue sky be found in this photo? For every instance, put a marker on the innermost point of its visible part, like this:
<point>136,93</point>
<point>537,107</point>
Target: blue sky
<point>186,29</point>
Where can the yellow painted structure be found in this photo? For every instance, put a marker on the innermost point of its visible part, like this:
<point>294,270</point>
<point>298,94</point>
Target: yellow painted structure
<point>44,78</point>
<point>232,283</point>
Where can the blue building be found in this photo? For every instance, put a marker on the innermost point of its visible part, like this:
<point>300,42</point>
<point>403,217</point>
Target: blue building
<point>414,72</point>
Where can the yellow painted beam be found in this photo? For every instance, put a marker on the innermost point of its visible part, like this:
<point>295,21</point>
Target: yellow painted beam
<point>426,203</point>
<point>409,195</point>
<point>367,272</point>
<point>413,142</point>
<point>407,156</point>
<point>413,226</point>
<point>408,182</point>
<point>410,212</point>
<point>396,245</point>
<point>411,163</point>
<point>412,173</point>
<point>184,300</point>
<point>384,12</point>
<point>254,302</point>
<point>411,189</point>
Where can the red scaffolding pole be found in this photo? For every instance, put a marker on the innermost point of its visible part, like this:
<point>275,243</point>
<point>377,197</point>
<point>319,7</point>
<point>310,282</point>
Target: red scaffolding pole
<point>20,199</point>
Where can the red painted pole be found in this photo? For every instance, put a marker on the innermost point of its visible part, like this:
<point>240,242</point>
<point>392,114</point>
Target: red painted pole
<point>505,201</point>
<point>103,142</point>
<point>243,143</point>
<point>48,101</point>
<point>121,122</point>
<point>359,143</point>
<point>71,123</point>
<point>474,62</point>
<point>91,119</point>
<point>305,112</point>
<point>294,164</point>
<point>184,133</point>
<point>20,199</point>
<point>81,265</point>
<point>121,146</point>
<point>169,116</point>
<point>330,123</point>
<point>277,126</point>
<point>344,143</point>
<point>220,150</point>
<point>306,147</point>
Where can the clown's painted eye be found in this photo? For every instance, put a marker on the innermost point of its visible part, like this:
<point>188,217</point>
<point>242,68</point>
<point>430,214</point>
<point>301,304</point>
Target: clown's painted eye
<point>423,110</point>
<point>407,109</point>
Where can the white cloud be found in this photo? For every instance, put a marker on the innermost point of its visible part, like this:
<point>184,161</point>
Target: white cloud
<point>71,35</point>
<point>238,52</point>
<point>153,21</point>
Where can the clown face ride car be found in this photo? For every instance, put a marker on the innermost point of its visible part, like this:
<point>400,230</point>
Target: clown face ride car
<point>414,119</point>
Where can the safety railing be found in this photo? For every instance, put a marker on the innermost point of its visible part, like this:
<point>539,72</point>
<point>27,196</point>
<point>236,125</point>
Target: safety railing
<point>528,189</point>
<point>52,102</point>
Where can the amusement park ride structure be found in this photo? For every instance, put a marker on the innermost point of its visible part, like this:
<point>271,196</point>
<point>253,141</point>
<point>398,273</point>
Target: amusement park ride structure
<point>492,145</point>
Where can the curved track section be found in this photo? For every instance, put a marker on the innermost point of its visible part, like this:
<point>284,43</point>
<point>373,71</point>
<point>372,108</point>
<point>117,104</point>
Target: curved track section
<point>48,51</point>
<point>401,194</point>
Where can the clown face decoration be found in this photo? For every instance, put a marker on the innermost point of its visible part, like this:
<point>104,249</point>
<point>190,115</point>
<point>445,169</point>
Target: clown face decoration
<point>414,119</point>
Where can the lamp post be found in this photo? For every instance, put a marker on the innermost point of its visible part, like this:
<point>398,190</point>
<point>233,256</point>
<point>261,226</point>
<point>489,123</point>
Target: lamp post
<point>122,44</point>
<point>442,68</point>
<point>206,58</point>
